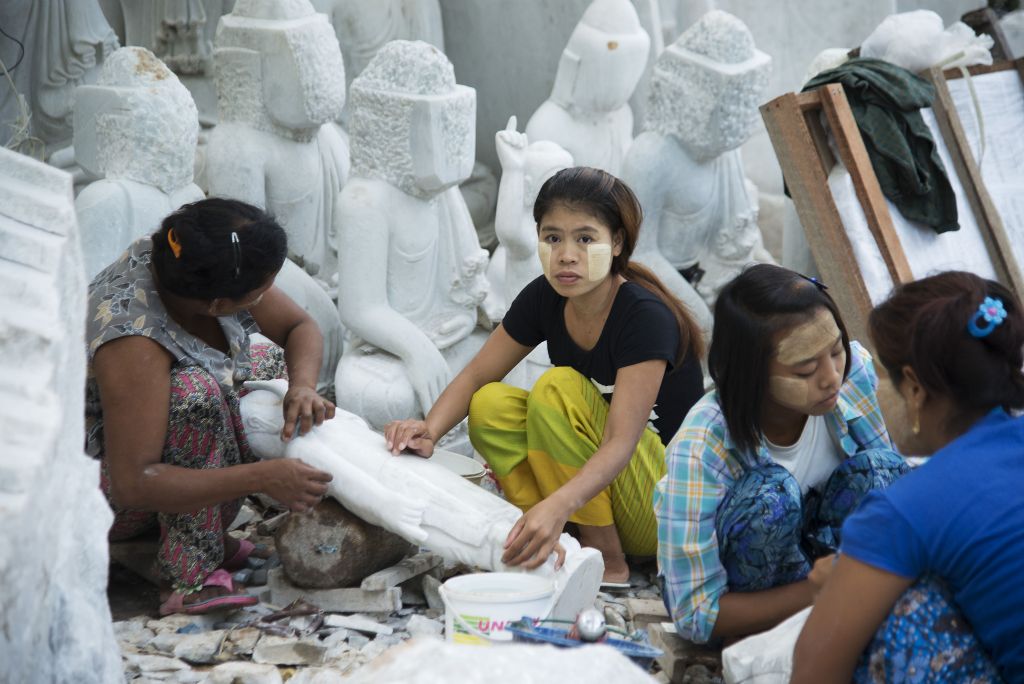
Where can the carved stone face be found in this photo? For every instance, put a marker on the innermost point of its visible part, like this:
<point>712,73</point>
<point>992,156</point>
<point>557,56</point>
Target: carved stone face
<point>291,52</point>
<point>138,122</point>
<point>411,125</point>
<point>706,86</point>
<point>604,59</point>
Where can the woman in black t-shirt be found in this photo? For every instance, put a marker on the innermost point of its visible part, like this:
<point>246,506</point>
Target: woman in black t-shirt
<point>587,443</point>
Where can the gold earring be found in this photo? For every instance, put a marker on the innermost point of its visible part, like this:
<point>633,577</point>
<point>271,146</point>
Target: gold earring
<point>916,427</point>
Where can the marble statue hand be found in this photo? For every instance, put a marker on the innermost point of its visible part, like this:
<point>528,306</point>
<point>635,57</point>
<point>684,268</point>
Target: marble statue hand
<point>511,147</point>
<point>428,373</point>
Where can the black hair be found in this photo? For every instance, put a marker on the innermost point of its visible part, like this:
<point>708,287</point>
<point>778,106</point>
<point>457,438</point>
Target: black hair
<point>751,310</point>
<point>210,265</point>
<point>607,198</point>
<point>923,325</point>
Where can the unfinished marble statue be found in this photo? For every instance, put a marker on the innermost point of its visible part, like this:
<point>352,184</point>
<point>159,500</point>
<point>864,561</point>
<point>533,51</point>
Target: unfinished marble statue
<point>363,27</point>
<point>180,33</point>
<point>588,112</point>
<point>136,129</point>
<point>413,497</point>
<point>411,274</point>
<point>62,45</point>
<point>700,211</point>
<point>524,168</point>
<point>280,81</point>
<point>55,623</point>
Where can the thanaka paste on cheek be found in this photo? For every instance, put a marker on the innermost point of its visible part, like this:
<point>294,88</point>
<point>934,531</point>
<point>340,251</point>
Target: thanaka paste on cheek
<point>544,253</point>
<point>809,339</point>
<point>789,391</point>
<point>599,261</point>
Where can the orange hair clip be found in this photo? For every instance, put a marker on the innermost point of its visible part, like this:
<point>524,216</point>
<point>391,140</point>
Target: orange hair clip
<point>172,240</point>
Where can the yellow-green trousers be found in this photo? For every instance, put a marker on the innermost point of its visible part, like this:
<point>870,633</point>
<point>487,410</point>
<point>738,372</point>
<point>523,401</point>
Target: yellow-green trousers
<point>537,441</point>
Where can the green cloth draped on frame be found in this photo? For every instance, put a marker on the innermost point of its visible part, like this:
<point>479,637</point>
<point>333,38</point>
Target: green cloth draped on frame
<point>886,101</point>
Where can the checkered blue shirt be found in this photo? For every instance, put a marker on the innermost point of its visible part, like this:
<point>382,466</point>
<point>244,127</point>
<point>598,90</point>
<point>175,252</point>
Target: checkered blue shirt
<point>703,463</point>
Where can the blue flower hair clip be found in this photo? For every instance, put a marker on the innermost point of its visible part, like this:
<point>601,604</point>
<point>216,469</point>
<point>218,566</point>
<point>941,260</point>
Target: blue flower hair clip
<point>991,313</point>
<point>817,283</point>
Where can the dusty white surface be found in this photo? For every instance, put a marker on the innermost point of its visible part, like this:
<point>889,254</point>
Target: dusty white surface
<point>55,623</point>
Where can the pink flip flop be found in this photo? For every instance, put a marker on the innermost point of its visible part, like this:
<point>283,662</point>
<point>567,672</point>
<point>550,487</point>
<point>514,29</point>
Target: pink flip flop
<point>175,603</point>
<point>237,562</point>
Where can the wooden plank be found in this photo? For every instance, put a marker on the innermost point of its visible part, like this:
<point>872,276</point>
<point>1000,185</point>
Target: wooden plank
<point>855,158</point>
<point>679,656</point>
<point>402,571</point>
<point>826,235</point>
<point>982,69</point>
<point>990,222</point>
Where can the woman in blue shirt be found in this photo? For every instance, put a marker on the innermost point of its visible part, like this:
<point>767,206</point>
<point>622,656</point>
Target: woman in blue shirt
<point>928,587</point>
<point>766,467</point>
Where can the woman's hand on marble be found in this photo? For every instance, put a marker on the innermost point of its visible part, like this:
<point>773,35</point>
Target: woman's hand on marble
<point>535,535</point>
<point>304,406</point>
<point>821,571</point>
<point>295,484</point>
<point>429,375</point>
<point>511,146</point>
<point>410,434</point>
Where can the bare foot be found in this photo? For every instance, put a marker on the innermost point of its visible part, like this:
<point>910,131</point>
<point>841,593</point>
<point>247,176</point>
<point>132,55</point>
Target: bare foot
<point>202,595</point>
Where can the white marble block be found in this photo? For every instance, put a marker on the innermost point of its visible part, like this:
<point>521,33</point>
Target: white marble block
<point>55,623</point>
<point>136,129</point>
<point>588,112</point>
<point>280,86</point>
<point>686,167</point>
<point>411,271</point>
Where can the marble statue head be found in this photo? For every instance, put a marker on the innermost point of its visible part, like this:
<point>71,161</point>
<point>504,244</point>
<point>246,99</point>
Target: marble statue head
<point>543,160</point>
<point>603,60</point>
<point>706,86</point>
<point>278,67</point>
<point>263,418</point>
<point>410,123</point>
<point>137,123</point>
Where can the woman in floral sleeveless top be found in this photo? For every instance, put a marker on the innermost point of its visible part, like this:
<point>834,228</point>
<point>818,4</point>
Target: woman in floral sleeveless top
<point>168,334</point>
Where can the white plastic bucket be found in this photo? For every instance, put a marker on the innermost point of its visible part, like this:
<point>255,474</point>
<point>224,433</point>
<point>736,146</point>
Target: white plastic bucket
<point>478,607</point>
<point>466,467</point>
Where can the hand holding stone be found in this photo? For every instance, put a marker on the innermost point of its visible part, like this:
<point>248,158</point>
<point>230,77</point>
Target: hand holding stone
<point>295,484</point>
<point>511,146</point>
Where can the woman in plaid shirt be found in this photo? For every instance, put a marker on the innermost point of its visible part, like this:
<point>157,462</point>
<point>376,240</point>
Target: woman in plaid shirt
<point>766,466</point>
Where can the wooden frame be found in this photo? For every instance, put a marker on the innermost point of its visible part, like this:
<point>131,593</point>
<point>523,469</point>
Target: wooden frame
<point>801,145</point>
<point>953,131</point>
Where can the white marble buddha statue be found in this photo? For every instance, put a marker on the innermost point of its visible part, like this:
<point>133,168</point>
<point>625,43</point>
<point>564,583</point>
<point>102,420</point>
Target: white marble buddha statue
<point>686,170</point>
<point>411,271</point>
<point>588,112</point>
<point>416,498</point>
<point>136,130</point>
<point>280,85</point>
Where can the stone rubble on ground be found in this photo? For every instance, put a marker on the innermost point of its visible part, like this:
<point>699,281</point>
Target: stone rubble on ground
<point>292,637</point>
